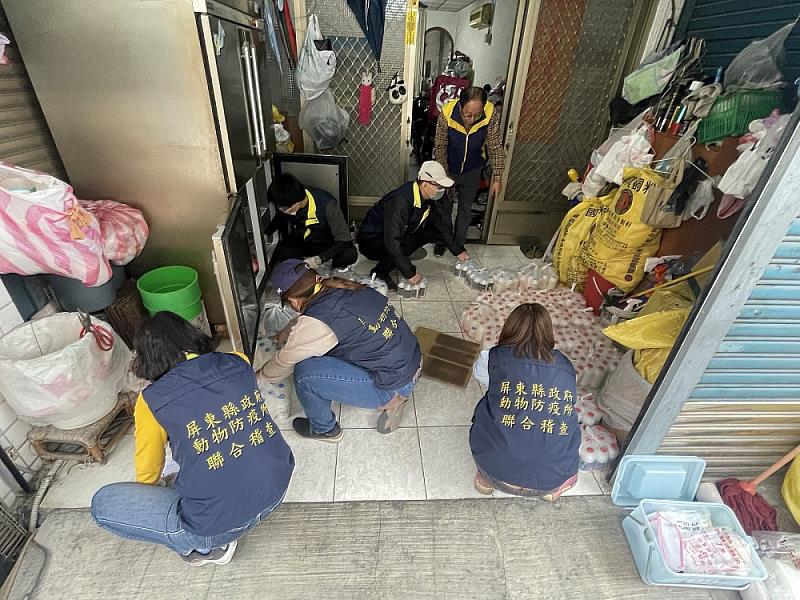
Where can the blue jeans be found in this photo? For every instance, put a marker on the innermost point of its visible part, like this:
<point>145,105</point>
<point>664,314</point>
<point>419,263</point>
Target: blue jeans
<point>320,381</point>
<point>149,513</point>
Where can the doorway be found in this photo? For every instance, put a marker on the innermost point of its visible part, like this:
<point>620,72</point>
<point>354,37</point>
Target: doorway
<point>461,43</point>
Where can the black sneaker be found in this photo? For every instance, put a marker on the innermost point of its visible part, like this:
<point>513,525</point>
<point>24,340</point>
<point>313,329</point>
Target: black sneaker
<point>438,250</point>
<point>303,428</point>
<point>391,284</point>
<point>218,556</point>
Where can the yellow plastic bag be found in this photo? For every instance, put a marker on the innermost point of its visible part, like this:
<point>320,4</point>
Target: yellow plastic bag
<point>574,230</point>
<point>791,489</point>
<point>620,242</point>
<point>651,336</point>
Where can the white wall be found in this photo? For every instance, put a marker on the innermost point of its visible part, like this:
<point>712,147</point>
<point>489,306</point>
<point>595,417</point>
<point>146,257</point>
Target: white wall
<point>440,18</point>
<point>14,432</point>
<point>490,60</point>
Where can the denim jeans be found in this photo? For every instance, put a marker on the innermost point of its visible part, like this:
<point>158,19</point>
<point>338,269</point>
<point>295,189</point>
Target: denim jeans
<point>149,513</point>
<point>320,381</point>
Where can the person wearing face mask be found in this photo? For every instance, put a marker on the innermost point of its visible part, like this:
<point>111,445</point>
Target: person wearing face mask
<point>403,221</point>
<point>467,134</point>
<point>310,224</point>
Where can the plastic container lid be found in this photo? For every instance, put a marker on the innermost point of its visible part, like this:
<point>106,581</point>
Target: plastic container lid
<point>657,478</point>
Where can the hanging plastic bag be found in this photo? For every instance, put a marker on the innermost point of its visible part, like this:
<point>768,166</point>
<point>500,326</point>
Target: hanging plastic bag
<point>43,229</point>
<point>325,122</point>
<point>758,65</point>
<point>50,375</point>
<point>631,151</point>
<point>315,67</point>
<point>650,79</point>
<point>122,227</point>
<point>700,200</point>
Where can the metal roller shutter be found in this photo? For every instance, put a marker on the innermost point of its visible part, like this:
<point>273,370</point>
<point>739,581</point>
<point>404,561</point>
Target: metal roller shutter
<point>744,413</point>
<point>730,25</point>
<point>25,138</point>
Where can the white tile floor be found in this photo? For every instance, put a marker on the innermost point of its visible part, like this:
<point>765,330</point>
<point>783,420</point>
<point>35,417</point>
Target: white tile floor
<point>427,458</point>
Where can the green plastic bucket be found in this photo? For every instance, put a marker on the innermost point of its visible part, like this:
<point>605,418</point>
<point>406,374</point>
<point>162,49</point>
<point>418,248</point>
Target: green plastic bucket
<point>174,289</point>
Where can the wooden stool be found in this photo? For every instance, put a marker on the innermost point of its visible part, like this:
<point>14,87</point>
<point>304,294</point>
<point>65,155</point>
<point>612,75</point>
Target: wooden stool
<point>90,443</point>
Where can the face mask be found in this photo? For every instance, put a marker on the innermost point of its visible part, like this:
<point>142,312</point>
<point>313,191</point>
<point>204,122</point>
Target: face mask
<point>438,194</point>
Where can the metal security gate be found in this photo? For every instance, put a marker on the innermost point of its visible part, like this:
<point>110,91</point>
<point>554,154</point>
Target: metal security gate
<point>568,68</point>
<point>374,151</point>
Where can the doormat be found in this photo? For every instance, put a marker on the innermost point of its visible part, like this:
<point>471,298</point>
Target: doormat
<point>446,358</point>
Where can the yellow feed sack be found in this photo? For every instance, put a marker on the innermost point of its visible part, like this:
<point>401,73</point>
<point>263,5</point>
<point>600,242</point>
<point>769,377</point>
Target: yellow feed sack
<point>574,230</point>
<point>620,243</point>
<point>791,489</point>
<point>651,336</point>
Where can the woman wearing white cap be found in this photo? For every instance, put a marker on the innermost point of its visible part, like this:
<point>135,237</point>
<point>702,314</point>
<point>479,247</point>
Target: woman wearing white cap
<point>404,220</point>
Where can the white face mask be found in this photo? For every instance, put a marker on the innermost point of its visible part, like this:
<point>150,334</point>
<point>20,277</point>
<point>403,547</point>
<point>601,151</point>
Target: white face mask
<point>438,194</point>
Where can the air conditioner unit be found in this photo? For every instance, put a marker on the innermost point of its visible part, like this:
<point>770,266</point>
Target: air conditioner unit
<point>481,17</point>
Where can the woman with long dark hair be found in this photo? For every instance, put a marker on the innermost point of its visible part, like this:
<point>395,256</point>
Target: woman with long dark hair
<point>235,466</point>
<point>525,435</point>
<point>348,345</point>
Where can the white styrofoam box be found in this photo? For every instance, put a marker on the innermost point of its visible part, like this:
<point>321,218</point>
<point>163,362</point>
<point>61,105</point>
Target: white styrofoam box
<point>5,298</point>
<point>9,318</point>
<point>7,414</point>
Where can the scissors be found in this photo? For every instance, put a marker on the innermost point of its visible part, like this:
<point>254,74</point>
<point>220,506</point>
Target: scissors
<point>103,337</point>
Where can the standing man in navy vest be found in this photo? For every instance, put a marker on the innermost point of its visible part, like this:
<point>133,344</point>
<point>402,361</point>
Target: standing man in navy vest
<point>403,221</point>
<point>310,224</point>
<point>467,133</point>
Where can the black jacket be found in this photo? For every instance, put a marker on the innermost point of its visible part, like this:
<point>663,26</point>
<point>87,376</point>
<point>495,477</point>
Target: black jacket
<point>327,229</point>
<point>399,213</point>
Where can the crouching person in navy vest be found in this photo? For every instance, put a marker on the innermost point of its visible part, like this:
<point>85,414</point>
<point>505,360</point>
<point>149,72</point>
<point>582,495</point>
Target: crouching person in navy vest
<point>525,435</point>
<point>235,466</point>
<point>348,345</point>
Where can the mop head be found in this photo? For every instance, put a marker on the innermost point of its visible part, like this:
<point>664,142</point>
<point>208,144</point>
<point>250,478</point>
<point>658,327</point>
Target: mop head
<point>754,513</point>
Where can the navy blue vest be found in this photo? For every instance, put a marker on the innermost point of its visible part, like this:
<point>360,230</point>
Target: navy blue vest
<point>234,461</point>
<point>465,150</point>
<point>311,223</point>
<point>525,430</point>
<point>409,193</point>
<point>371,335</point>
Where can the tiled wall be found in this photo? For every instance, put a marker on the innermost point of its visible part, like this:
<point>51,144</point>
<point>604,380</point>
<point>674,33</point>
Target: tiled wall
<point>13,431</point>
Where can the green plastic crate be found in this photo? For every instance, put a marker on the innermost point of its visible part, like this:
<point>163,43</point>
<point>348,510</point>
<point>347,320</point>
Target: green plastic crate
<point>732,113</point>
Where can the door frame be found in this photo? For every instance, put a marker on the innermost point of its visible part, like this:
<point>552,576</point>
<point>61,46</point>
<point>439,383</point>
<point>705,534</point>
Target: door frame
<point>524,32</point>
<point>521,56</point>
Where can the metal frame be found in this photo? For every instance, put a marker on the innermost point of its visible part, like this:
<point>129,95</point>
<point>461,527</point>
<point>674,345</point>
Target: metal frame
<point>410,78</point>
<point>745,256</point>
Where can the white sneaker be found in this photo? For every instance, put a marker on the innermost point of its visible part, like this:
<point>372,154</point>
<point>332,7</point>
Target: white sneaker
<point>218,556</point>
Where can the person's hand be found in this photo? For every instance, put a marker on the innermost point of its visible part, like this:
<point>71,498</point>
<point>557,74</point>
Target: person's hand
<point>283,334</point>
<point>463,256</point>
<point>495,190</point>
<point>415,279</point>
<point>313,262</point>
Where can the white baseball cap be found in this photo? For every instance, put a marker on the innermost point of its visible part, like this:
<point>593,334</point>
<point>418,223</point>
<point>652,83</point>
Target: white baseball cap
<point>433,171</point>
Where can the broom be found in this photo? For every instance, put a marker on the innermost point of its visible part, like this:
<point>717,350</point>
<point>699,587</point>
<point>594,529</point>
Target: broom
<point>753,512</point>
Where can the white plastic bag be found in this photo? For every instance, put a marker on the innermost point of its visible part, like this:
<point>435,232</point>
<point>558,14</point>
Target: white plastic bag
<point>51,376</point>
<point>325,122</point>
<point>631,151</point>
<point>758,65</point>
<point>315,68</point>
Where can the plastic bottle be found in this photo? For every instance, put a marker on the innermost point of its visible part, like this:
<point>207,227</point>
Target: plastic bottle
<point>423,289</point>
